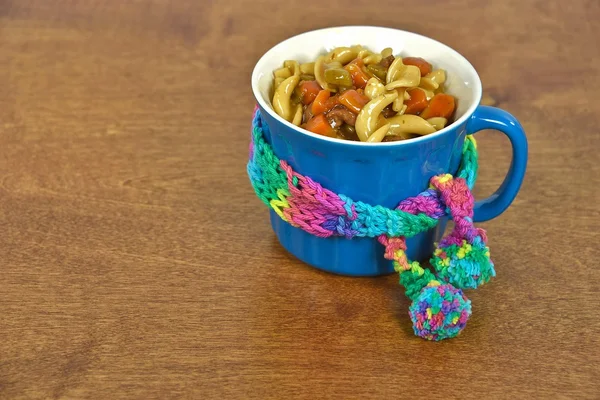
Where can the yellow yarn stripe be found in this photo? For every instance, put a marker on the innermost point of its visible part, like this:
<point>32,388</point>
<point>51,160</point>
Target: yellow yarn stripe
<point>279,205</point>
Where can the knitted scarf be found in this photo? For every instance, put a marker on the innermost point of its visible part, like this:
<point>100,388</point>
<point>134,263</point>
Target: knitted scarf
<point>439,308</point>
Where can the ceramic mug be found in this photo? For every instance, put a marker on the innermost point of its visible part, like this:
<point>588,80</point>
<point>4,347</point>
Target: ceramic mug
<point>382,173</point>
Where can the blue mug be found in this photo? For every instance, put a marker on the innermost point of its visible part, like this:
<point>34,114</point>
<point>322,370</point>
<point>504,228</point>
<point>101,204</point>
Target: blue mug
<point>383,173</point>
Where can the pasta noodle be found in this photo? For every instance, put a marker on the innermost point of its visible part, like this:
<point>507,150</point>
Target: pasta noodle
<point>282,73</point>
<point>343,55</point>
<point>409,124</point>
<point>429,84</point>
<point>320,72</point>
<point>428,93</point>
<point>278,82</point>
<point>297,120</point>
<point>438,75</point>
<point>393,70</point>
<point>386,52</point>
<point>379,134</point>
<point>438,122</point>
<point>398,104</point>
<point>372,59</point>
<point>281,99</point>
<point>368,117</point>
<point>407,76</point>
<point>320,67</point>
<point>433,80</point>
<point>374,88</point>
<point>308,68</point>
<point>293,66</point>
<point>354,93</point>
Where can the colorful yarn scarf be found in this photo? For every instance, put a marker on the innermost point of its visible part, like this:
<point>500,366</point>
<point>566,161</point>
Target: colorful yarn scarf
<point>439,308</point>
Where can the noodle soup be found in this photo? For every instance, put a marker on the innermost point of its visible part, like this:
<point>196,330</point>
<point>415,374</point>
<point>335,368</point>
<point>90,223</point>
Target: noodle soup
<point>353,93</point>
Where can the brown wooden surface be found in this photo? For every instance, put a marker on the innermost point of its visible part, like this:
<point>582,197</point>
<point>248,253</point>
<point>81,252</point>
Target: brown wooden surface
<point>136,262</point>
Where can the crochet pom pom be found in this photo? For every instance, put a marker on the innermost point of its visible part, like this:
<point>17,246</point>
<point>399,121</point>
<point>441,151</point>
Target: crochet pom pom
<point>440,312</point>
<point>466,266</point>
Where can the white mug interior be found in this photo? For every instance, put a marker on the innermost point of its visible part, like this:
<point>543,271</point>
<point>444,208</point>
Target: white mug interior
<point>462,81</point>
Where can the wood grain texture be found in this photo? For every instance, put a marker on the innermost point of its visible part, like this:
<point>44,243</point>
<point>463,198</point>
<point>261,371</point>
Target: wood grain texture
<point>136,262</point>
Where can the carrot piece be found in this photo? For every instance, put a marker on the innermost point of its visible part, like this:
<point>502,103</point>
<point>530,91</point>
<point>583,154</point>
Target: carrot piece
<point>423,65</point>
<point>308,91</point>
<point>353,100</point>
<point>331,102</point>
<point>323,102</point>
<point>359,76</point>
<point>441,105</point>
<point>318,105</point>
<point>319,124</point>
<point>417,101</point>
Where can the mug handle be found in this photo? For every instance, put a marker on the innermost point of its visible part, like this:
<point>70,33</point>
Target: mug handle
<point>486,117</point>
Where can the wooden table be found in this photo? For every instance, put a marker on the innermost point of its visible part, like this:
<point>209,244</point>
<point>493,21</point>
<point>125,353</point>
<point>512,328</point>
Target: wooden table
<point>136,261</point>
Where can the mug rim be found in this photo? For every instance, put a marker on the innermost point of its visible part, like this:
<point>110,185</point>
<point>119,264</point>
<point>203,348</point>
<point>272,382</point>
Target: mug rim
<point>477,87</point>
